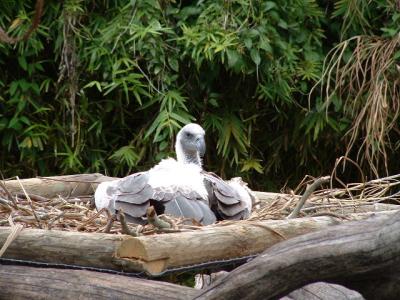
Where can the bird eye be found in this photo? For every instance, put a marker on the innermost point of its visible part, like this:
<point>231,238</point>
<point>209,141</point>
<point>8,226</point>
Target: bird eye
<point>188,134</point>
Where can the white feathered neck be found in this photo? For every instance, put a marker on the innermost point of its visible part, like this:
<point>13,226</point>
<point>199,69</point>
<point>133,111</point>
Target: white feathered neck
<point>185,158</point>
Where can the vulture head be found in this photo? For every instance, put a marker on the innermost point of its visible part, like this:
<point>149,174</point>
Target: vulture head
<point>190,144</point>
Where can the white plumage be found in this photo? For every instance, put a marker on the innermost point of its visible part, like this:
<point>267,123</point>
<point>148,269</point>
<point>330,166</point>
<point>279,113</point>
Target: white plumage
<point>172,175</point>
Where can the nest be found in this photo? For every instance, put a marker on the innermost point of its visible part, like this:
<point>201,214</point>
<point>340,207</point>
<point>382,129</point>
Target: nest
<point>79,214</point>
<point>337,202</point>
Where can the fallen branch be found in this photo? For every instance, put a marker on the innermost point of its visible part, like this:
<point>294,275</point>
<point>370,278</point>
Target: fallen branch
<point>158,253</point>
<point>314,291</point>
<point>220,242</point>
<point>96,250</point>
<point>310,189</point>
<point>363,256</point>
<point>4,37</point>
<point>23,282</point>
<point>65,186</point>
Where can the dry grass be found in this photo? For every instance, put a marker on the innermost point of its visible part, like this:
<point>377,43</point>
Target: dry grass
<point>71,214</point>
<point>362,72</point>
<point>78,214</point>
<point>336,202</point>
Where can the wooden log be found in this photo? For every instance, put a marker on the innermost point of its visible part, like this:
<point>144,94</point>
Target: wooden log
<point>271,197</point>
<point>323,290</point>
<point>363,256</point>
<point>220,242</point>
<point>22,282</point>
<point>65,186</point>
<point>313,291</point>
<point>64,247</point>
<point>157,253</point>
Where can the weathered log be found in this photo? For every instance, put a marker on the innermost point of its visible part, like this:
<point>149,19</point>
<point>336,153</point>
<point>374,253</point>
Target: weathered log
<point>21,282</point>
<point>313,291</point>
<point>64,247</point>
<point>363,256</point>
<point>323,290</point>
<point>66,186</point>
<point>157,253</point>
<point>220,242</point>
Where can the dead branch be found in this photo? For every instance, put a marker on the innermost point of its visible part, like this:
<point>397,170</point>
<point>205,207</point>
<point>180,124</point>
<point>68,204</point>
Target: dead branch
<point>4,37</point>
<point>310,189</point>
<point>363,256</point>
<point>23,282</point>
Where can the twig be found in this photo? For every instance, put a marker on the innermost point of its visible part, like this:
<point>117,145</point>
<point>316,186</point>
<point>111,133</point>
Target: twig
<point>15,230</point>
<point>5,203</point>
<point>310,189</point>
<point>330,214</point>
<point>91,219</point>
<point>30,202</point>
<point>10,197</point>
<point>33,197</point>
<point>50,224</point>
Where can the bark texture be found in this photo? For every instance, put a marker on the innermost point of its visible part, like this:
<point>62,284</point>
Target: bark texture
<point>20,282</point>
<point>363,256</point>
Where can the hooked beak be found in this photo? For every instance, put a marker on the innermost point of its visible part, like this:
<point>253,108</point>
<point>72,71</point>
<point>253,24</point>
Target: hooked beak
<point>201,145</point>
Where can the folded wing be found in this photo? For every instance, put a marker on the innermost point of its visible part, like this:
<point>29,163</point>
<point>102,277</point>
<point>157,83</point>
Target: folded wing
<point>171,188</point>
<point>229,199</point>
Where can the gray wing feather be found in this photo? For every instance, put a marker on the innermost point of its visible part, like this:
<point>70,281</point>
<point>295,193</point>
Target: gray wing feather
<point>133,183</point>
<point>224,198</point>
<point>132,195</point>
<point>133,189</point>
<point>190,208</point>
<point>208,217</point>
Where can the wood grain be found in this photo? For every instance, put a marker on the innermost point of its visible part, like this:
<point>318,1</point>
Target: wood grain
<point>65,247</point>
<point>363,256</point>
<point>218,242</point>
<point>65,186</point>
<point>20,282</point>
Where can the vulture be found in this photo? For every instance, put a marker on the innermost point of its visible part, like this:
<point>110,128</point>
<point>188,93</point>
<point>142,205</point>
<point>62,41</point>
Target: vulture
<point>178,187</point>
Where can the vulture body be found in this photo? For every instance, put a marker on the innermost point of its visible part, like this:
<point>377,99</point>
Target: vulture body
<point>178,187</point>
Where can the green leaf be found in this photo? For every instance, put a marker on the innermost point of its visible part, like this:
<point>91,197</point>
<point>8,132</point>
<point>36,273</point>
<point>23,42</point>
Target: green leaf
<point>268,5</point>
<point>233,57</point>
<point>22,62</point>
<point>173,62</point>
<point>282,24</point>
<point>252,164</point>
<point>248,43</point>
<point>93,83</point>
<point>255,56</point>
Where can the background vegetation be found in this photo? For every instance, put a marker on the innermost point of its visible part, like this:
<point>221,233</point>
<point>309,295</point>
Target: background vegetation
<point>103,86</point>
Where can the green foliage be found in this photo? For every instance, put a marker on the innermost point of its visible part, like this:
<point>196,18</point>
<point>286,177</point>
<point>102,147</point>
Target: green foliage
<point>105,85</point>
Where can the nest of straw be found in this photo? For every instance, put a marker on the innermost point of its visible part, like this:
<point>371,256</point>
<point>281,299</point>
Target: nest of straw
<point>79,214</point>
